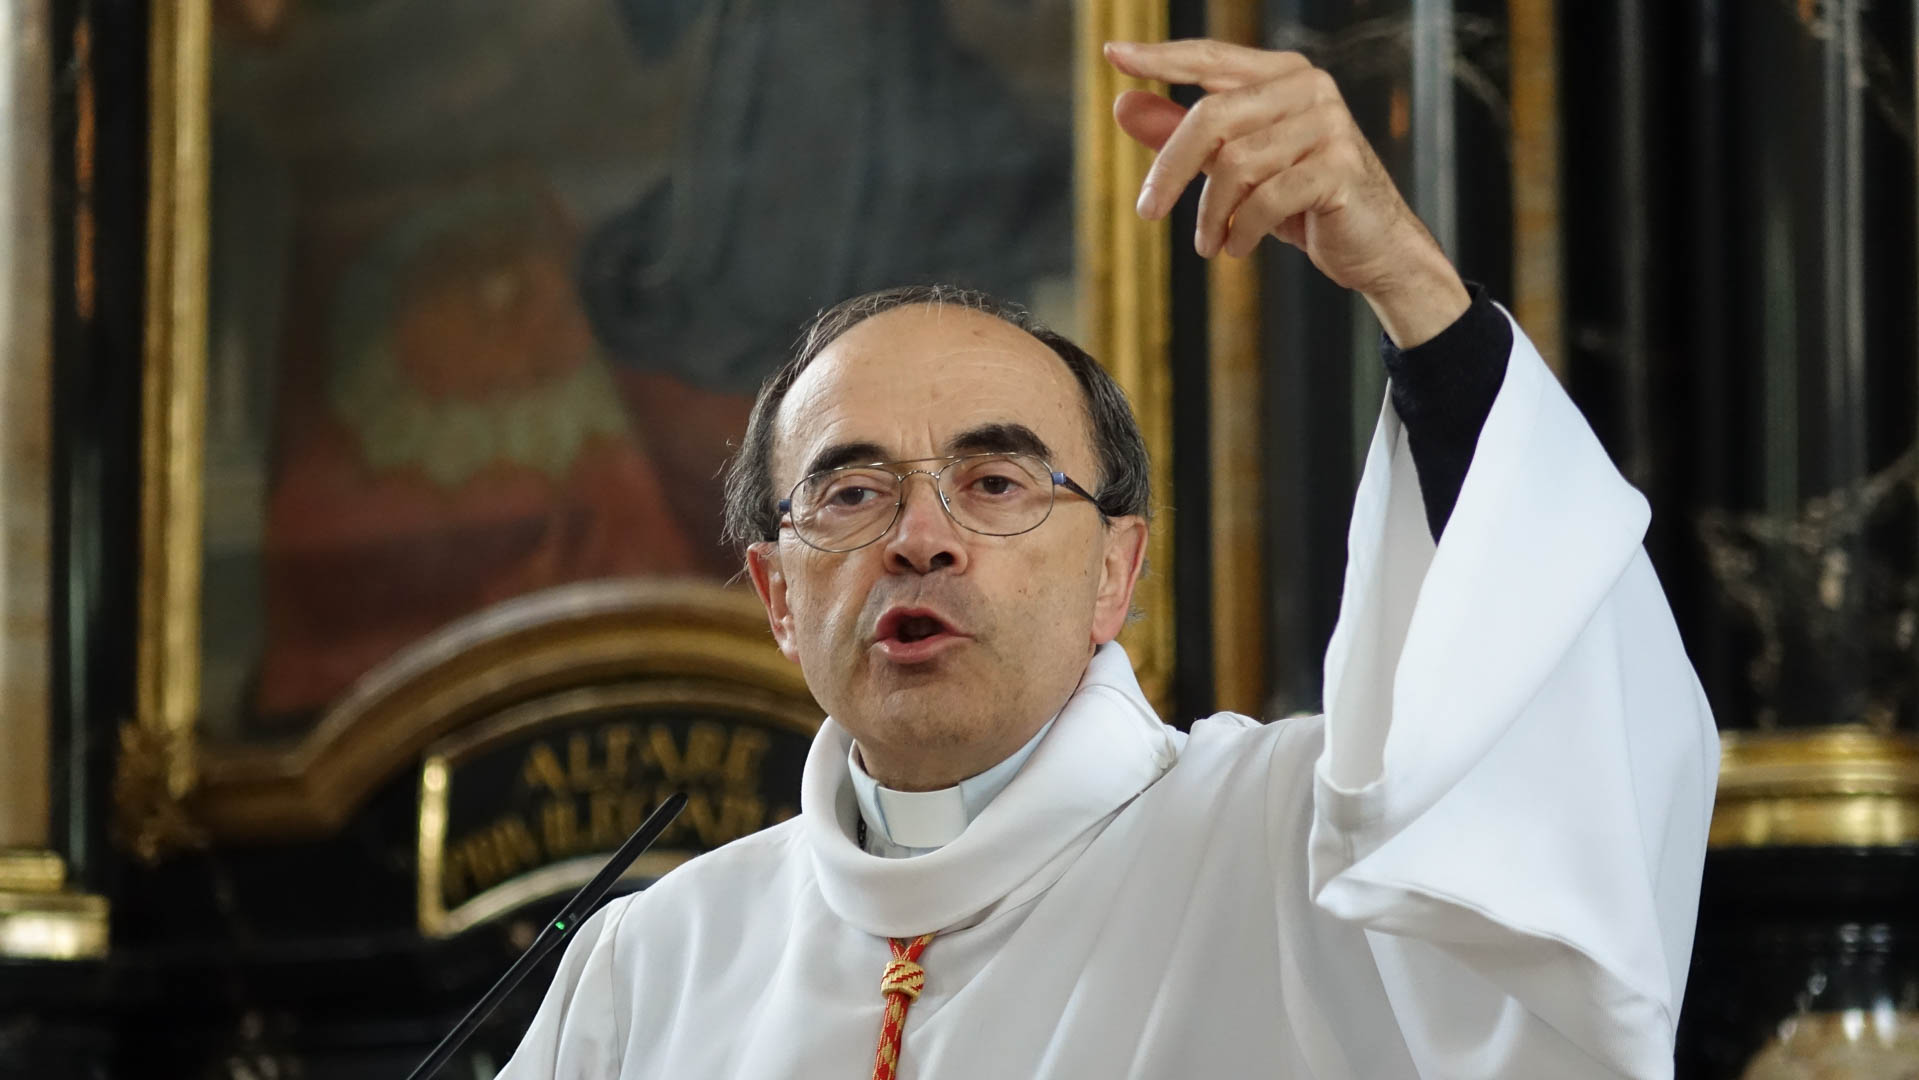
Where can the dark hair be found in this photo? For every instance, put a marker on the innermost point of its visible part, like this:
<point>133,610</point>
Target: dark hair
<point>1123,486</point>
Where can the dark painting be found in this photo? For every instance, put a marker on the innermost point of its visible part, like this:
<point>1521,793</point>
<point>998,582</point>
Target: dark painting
<point>493,283</point>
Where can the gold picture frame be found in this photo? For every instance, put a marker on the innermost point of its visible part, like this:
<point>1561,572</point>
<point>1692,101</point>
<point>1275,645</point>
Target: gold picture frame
<point>173,790</point>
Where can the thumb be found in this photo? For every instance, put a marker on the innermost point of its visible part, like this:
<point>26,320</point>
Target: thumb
<point>1147,117</point>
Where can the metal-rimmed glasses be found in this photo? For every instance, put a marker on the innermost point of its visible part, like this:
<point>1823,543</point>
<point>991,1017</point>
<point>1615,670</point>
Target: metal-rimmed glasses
<point>849,507</point>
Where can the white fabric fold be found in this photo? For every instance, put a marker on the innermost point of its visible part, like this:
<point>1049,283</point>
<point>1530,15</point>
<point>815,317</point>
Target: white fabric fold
<point>1519,763</point>
<point>1105,747</point>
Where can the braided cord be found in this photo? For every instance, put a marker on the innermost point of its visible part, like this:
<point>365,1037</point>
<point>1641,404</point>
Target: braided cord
<point>901,984</point>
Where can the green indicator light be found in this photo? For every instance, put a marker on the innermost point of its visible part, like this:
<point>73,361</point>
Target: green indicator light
<point>557,925</point>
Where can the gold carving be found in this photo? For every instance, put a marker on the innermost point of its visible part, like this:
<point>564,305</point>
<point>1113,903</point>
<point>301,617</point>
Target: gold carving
<point>150,820</point>
<point>31,870</point>
<point>1124,269</point>
<point>39,919</point>
<point>590,764</point>
<point>52,926</point>
<point>1879,1043</point>
<point>1839,786</point>
<point>173,428</point>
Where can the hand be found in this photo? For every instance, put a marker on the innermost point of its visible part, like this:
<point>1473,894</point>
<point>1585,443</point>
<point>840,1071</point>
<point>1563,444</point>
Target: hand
<point>1283,155</point>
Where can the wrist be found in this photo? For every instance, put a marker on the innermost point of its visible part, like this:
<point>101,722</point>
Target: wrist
<point>1417,302</point>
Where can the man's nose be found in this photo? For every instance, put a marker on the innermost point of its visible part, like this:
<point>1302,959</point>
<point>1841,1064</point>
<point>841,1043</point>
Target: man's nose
<point>925,538</point>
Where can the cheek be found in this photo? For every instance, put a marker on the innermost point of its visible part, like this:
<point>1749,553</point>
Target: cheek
<point>1057,596</point>
<point>827,598</point>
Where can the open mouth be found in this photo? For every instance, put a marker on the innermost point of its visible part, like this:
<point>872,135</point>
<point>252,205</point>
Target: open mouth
<point>914,635</point>
<point>910,625</point>
<point>919,628</point>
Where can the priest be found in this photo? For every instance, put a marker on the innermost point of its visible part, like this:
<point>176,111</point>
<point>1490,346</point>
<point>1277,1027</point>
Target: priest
<point>1482,861</point>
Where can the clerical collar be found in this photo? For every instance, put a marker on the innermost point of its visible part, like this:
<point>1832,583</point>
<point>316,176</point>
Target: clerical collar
<point>906,823</point>
<point>1105,747</point>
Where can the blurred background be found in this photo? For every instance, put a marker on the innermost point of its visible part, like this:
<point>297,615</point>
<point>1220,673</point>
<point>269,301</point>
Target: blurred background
<point>369,364</point>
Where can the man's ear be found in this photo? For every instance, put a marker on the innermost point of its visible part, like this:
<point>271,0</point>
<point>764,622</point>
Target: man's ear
<point>1119,568</point>
<point>769,580</point>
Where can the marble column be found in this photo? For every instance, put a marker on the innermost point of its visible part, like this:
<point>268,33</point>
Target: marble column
<point>39,917</point>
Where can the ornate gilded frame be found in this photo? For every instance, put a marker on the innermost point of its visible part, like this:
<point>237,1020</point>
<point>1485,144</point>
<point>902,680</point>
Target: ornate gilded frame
<point>173,791</point>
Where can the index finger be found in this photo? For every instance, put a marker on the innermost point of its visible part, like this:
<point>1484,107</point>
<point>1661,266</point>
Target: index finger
<point>1211,65</point>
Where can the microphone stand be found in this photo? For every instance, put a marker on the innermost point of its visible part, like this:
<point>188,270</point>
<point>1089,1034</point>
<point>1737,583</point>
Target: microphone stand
<point>556,931</point>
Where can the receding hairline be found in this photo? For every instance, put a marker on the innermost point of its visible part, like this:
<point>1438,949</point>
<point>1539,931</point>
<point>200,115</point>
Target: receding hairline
<point>1045,352</point>
<point>1122,477</point>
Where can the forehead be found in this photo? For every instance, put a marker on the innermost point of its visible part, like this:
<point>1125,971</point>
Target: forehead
<point>909,379</point>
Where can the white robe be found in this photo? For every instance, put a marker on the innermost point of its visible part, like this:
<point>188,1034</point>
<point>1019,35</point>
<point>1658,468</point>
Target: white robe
<point>1483,861</point>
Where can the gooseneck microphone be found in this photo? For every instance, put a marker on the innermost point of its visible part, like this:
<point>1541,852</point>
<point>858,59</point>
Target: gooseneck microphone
<point>556,931</point>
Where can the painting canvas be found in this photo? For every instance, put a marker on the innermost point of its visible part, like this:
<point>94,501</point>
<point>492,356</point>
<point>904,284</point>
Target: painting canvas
<point>492,283</point>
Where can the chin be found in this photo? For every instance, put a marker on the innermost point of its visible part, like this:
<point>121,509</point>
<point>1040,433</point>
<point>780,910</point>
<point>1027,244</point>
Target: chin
<point>925,727</point>
<point>922,701</point>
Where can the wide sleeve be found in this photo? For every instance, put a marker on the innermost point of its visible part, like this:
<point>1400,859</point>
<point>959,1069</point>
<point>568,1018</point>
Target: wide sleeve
<point>575,1035</point>
<point>1519,763</point>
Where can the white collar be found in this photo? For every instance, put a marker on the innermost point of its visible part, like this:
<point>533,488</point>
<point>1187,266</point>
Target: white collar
<point>906,823</point>
<point>1105,747</point>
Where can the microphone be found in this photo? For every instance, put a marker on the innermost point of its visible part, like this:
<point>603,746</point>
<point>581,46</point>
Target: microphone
<point>556,931</point>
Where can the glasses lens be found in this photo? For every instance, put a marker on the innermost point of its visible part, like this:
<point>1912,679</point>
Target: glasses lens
<point>840,509</point>
<point>998,494</point>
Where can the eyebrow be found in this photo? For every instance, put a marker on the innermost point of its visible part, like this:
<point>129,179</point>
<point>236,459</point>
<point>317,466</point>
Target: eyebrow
<point>1003,438</point>
<point>843,454</point>
<point>995,438</point>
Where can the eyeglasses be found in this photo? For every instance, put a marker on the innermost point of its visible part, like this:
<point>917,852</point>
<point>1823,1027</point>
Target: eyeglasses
<point>992,494</point>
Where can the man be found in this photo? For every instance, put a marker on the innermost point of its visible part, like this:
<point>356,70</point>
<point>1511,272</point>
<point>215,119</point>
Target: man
<point>1483,861</point>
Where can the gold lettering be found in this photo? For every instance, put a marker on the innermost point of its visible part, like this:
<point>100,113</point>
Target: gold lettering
<point>590,793</point>
<point>705,750</point>
<point>560,828</point>
<point>704,756</point>
<point>579,762</point>
<point>603,815</point>
<point>664,754</point>
<point>480,859</point>
<point>743,756</point>
<point>542,770</point>
<point>619,753</point>
<point>516,842</point>
<point>700,817</point>
<point>489,856</point>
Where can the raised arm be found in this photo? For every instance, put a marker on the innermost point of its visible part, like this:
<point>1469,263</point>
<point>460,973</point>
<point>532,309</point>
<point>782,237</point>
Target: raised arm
<point>1518,764</point>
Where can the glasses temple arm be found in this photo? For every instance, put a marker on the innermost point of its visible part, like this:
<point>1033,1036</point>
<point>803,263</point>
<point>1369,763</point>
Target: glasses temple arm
<point>1071,485</point>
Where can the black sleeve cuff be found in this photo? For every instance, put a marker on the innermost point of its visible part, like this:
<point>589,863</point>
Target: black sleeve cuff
<point>1443,391</point>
